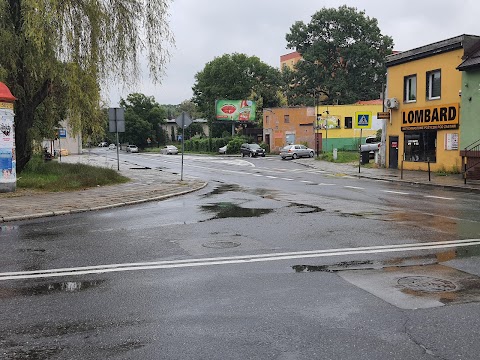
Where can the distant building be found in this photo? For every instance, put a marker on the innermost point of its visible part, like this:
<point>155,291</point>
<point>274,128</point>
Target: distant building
<point>172,130</point>
<point>289,60</point>
<point>295,125</point>
<point>65,140</point>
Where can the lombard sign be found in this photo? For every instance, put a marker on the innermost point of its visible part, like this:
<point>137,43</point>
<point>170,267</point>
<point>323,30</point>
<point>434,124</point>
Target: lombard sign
<point>235,110</point>
<point>438,117</point>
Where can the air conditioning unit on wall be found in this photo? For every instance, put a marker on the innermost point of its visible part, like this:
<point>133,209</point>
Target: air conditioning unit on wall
<point>391,103</point>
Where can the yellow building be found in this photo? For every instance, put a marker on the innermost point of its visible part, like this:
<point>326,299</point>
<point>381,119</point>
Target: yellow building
<point>296,125</point>
<point>423,97</point>
<point>337,129</point>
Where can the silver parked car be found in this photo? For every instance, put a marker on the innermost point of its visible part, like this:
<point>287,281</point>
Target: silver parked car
<point>131,148</point>
<point>169,150</point>
<point>222,150</point>
<point>296,151</point>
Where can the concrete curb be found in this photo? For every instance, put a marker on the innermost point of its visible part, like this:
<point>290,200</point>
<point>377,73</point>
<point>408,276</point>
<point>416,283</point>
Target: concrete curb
<point>97,208</point>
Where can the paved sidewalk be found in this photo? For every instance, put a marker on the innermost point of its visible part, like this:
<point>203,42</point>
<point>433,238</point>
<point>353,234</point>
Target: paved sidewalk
<point>146,185</point>
<point>154,184</point>
<point>454,182</point>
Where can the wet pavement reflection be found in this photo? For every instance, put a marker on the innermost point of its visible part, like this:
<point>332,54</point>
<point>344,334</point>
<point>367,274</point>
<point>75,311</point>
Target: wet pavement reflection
<point>410,282</point>
<point>49,288</point>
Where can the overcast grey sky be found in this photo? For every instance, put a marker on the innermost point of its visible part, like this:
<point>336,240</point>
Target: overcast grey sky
<point>207,29</point>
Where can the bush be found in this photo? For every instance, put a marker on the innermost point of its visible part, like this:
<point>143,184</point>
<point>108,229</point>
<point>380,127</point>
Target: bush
<point>234,145</point>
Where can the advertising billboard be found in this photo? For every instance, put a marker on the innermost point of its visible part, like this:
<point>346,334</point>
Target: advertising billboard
<point>235,110</point>
<point>327,122</point>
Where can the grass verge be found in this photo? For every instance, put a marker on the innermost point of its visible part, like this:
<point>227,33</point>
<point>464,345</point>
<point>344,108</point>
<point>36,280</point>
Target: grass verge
<point>53,176</point>
<point>342,157</point>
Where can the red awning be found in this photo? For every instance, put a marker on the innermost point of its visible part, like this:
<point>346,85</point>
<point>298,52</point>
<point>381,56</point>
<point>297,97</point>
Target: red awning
<point>5,94</point>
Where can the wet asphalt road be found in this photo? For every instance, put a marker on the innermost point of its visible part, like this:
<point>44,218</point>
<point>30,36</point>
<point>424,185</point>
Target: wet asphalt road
<point>271,261</point>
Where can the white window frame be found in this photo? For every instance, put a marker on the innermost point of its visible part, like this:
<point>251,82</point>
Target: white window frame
<point>410,88</point>
<point>430,84</point>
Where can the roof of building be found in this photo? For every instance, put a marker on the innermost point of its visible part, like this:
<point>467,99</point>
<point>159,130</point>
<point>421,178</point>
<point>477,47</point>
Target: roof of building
<point>172,121</point>
<point>369,102</point>
<point>458,42</point>
<point>292,55</point>
<point>471,59</point>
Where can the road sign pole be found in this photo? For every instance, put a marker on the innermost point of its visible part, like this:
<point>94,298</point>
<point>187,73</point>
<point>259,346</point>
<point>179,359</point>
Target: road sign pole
<point>183,142</point>
<point>360,151</point>
<point>183,120</point>
<point>118,150</point>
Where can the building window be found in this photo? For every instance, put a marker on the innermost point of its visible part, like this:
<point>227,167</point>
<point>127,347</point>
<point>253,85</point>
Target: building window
<point>267,119</point>
<point>348,122</point>
<point>420,146</point>
<point>410,88</point>
<point>433,85</point>
<point>286,119</point>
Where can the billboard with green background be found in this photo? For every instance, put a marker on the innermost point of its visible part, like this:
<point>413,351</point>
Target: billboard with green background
<point>235,110</point>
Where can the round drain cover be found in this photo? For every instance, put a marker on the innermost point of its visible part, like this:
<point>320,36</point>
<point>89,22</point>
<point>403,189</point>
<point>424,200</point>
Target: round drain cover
<point>221,244</point>
<point>426,283</point>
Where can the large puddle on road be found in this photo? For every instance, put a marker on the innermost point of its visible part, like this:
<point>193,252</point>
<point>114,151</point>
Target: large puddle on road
<point>416,282</point>
<point>229,210</point>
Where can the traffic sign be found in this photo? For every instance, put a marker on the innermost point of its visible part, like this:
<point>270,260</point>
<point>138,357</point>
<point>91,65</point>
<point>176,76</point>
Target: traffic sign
<point>183,120</point>
<point>384,115</point>
<point>363,120</point>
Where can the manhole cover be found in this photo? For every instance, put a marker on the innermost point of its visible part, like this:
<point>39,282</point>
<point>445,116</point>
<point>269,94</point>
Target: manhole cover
<point>221,244</point>
<point>426,283</point>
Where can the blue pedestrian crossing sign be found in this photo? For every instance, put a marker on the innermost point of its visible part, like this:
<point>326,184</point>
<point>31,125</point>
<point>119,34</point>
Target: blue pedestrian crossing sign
<point>363,120</point>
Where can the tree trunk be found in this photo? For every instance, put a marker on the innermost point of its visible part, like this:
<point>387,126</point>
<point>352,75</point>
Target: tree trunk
<point>23,142</point>
<point>24,116</point>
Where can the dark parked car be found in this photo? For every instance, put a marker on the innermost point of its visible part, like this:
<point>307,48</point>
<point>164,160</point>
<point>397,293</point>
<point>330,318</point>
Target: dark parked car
<point>252,150</point>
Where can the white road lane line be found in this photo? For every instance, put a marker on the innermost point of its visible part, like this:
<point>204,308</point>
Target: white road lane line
<point>439,197</point>
<point>306,182</point>
<point>354,187</point>
<point>287,179</point>
<point>395,192</point>
<point>271,177</point>
<point>326,184</point>
<point>100,269</point>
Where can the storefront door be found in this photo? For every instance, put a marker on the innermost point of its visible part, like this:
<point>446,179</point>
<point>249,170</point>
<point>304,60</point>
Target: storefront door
<point>393,152</point>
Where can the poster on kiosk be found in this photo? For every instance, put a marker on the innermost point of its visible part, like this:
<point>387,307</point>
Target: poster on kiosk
<point>8,176</point>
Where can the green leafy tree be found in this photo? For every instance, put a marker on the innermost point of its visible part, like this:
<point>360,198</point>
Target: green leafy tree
<point>236,77</point>
<point>190,108</point>
<point>143,119</point>
<point>64,50</point>
<point>137,130</point>
<point>344,57</point>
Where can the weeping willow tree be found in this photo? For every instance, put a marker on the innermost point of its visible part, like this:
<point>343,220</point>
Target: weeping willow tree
<point>56,54</point>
